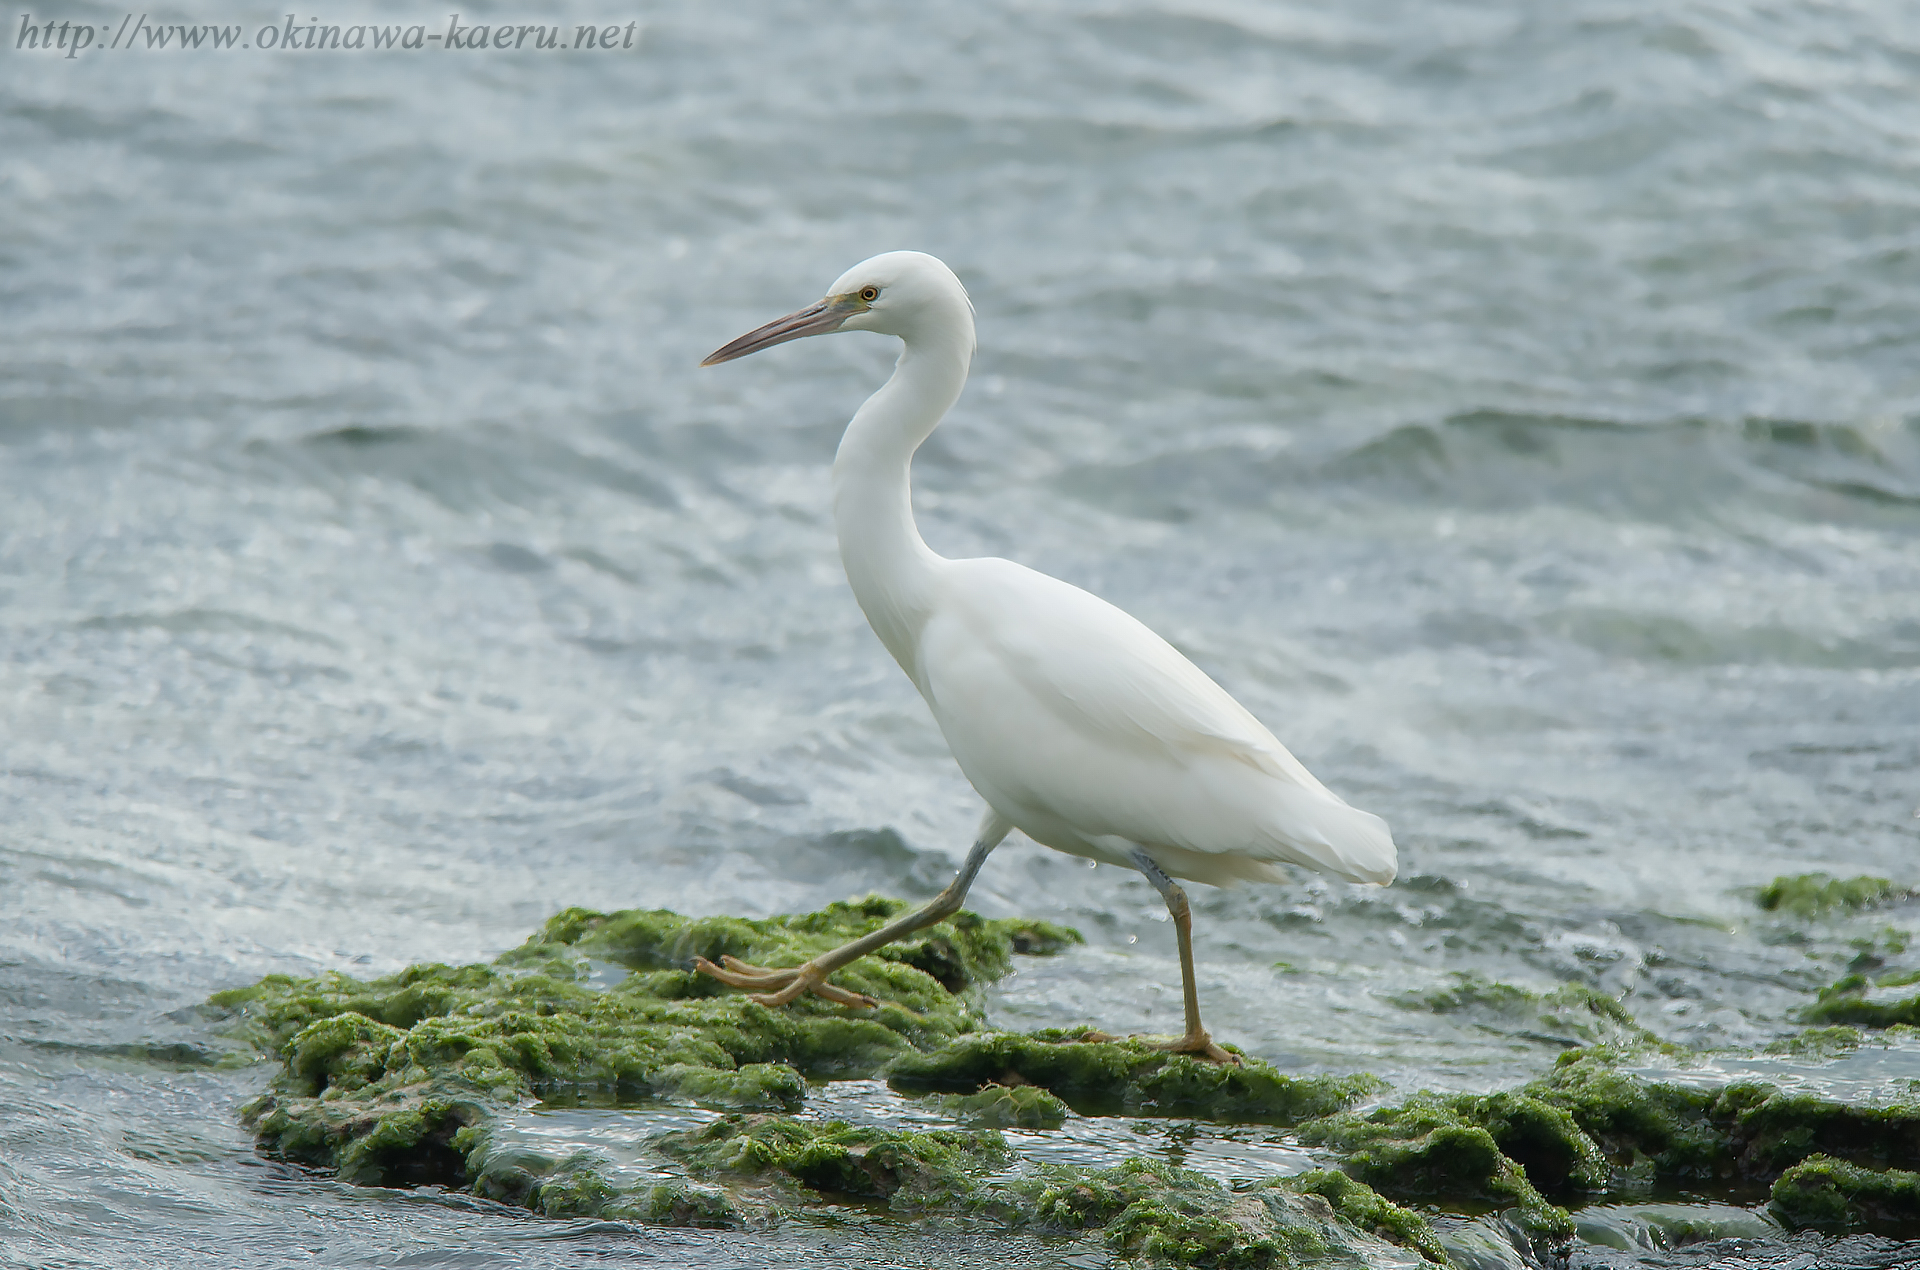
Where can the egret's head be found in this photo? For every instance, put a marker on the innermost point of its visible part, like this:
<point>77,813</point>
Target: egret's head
<point>904,293</point>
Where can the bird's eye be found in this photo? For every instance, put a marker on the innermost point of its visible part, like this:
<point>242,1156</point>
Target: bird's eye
<point>869,294</point>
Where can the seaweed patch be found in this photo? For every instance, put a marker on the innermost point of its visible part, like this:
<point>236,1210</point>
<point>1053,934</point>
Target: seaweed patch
<point>402,1081</point>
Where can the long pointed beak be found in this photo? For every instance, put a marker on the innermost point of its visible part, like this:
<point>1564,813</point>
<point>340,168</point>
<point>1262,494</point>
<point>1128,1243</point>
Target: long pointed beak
<point>815,319</point>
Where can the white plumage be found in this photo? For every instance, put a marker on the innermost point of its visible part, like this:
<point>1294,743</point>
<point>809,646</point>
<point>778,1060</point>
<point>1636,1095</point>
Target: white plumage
<point>1077,724</point>
<point>1086,729</point>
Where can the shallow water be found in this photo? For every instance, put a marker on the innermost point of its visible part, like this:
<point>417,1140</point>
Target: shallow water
<point>1516,408</point>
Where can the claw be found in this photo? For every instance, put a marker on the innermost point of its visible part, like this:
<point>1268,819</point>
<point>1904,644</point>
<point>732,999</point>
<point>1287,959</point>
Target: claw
<point>1198,1044</point>
<point>788,985</point>
<point>741,975</point>
<point>822,988</point>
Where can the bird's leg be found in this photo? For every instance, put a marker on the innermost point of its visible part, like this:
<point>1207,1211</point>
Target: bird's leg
<point>1196,1041</point>
<point>786,985</point>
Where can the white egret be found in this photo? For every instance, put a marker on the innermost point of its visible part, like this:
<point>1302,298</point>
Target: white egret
<point>1078,725</point>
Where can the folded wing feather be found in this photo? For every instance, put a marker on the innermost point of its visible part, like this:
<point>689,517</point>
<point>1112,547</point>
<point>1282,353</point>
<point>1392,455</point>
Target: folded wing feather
<point>1117,682</point>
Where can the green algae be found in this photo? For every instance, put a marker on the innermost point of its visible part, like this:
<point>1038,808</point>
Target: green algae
<point>964,951</point>
<point>1748,1131</point>
<point>1847,1001</point>
<point>1833,1195</point>
<point>1060,1198</point>
<point>1126,1077</point>
<point>1652,1130</point>
<point>1466,991</point>
<point>1816,894</point>
<point>1591,1127</point>
<point>1187,1235</point>
<point>578,1185</point>
<point>1456,1147</point>
<point>1572,1014</point>
<point>399,1081</point>
<point>576,1190</point>
<point>1156,1211</point>
<point>574,1186</point>
<point>666,1204</point>
<point>1769,1129</point>
<point>1364,1208</point>
<point>1140,1208</point>
<point>1006,1107</point>
<point>908,1171</point>
<point>378,1076</point>
<point>1819,1042</point>
<point>406,1137</point>
<point>531,1020</point>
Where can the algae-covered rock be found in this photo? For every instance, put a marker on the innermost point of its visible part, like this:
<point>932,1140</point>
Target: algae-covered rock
<point>1571,1014</point>
<point>1591,1126</point>
<point>1816,894</point>
<point>1232,1236</point>
<point>579,1185</point>
<point>1363,1208</point>
<point>1770,1129</point>
<point>1141,1208</point>
<point>1853,1000</point>
<point>1653,1129</point>
<point>343,1052</point>
<point>381,1076</point>
<point>1833,1195</point>
<point>1742,1131</point>
<point>1819,1042</point>
<point>964,951</point>
<point>1638,1227</point>
<point>576,1190</point>
<point>908,1171</point>
<point>400,1081</point>
<point>404,1137</point>
<point>1006,1107</point>
<point>1455,1147</point>
<point>758,1086</point>
<point>1155,1211</point>
<point>667,1204</point>
<point>1126,1077</point>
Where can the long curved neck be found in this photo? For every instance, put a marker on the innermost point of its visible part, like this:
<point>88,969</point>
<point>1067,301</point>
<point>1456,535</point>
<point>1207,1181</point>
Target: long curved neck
<point>891,569</point>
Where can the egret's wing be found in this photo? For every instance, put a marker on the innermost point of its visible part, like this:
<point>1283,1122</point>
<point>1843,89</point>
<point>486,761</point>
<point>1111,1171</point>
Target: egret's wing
<point>1112,676</point>
<point>1057,697</point>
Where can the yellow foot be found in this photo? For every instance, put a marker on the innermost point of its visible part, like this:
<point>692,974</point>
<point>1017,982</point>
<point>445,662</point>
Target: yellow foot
<point>1198,1044</point>
<point>788,985</point>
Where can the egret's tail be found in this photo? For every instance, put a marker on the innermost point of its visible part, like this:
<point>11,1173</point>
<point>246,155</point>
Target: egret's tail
<point>1328,835</point>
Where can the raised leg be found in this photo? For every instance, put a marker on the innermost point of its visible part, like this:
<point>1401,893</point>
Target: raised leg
<point>786,985</point>
<point>1196,1041</point>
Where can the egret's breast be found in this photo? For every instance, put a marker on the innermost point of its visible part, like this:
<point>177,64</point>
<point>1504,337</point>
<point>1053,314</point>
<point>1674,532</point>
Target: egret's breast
<point>1013,749</point>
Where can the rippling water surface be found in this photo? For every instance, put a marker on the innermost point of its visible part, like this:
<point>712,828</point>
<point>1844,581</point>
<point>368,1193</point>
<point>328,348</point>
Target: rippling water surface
<point>1518,407</point>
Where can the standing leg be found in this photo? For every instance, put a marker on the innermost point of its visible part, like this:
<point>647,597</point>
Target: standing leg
<point>789,984</point>
<point>1196,1041</point>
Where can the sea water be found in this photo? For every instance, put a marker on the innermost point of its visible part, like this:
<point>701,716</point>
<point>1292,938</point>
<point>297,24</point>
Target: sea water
<point>1516,406</point>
